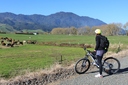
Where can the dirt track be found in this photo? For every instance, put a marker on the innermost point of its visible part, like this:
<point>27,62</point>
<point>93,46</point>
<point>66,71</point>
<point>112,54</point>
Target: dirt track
<point>121,78</point>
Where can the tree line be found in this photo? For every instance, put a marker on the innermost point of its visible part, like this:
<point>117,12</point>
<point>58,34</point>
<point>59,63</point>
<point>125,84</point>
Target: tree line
<point>109,29</point>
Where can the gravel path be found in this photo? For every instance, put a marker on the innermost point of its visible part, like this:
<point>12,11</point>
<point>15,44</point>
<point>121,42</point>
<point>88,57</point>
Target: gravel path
<point>121,78</point>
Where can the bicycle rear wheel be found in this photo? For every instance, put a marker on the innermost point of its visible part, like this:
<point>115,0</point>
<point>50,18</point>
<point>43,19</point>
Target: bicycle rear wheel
<point>82,65</point>
<point>111,65</point>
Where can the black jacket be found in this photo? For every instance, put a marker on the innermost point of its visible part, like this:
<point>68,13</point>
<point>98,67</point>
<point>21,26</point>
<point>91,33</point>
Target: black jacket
<point>97,39</point>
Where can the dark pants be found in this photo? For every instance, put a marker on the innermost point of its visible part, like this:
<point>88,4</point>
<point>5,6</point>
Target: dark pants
<point>99,54</point>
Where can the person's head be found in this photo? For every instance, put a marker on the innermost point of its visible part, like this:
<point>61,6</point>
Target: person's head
<point>98,31</point>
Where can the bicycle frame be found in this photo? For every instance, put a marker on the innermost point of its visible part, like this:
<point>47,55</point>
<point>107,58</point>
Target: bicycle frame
<point>87,55</point>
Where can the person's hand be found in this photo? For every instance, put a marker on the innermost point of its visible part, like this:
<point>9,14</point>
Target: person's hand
<point>94,52</point>
<point>105,50</point>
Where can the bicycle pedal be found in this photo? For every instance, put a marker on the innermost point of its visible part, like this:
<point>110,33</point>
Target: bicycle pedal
<point>94,63</point>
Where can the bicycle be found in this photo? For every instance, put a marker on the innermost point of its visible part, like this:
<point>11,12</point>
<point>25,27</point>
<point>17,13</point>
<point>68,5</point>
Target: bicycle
<point>111,65</point>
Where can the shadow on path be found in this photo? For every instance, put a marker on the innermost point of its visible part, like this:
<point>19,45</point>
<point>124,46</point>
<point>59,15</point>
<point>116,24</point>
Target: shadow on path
<point>121,71</point>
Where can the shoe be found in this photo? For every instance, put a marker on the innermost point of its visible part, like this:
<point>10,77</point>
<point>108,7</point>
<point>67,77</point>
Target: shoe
<point>98,75</point>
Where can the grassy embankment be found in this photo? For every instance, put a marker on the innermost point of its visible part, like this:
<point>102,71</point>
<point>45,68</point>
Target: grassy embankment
<point>18,60</point>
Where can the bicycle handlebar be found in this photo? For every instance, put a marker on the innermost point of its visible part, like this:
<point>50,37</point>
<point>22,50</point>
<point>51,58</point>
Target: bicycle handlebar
<point>88,50</point>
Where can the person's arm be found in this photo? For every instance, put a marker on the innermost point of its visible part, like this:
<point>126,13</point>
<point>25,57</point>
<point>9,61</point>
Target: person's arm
<point>97,39</point>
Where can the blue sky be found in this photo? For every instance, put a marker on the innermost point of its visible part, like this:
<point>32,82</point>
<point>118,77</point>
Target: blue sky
<point>109,11</point>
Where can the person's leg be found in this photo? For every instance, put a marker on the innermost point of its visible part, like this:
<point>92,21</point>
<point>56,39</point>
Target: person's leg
<point>99,55</point>
<point>99,58</point>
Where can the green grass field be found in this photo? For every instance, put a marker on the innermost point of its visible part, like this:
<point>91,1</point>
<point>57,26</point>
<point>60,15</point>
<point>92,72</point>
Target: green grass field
<point>14,61</point>
<point>89,39</point>
<point>17,60</point>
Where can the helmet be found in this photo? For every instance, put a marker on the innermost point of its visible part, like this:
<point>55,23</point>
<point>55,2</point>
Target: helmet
<point>98,31</point>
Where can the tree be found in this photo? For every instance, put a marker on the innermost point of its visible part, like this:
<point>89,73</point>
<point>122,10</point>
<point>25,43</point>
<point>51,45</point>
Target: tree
<point>72,30</point>
<point>113,29</point>
<point>57,31</point>
<point>110,29</point>
<point>126,27</point>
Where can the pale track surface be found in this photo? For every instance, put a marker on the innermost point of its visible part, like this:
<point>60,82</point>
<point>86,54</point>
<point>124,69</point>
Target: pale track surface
<point>121,78</point>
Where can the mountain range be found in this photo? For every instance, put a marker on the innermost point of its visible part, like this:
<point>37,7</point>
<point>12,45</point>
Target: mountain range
<point>19,22</point>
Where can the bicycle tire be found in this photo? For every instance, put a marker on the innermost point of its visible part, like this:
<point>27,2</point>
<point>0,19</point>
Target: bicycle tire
<point>82,66</point>
<point>111,65</point>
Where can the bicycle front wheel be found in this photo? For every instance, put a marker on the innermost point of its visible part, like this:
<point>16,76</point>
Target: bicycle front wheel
<point>82,66</point>
<point>111,65</point>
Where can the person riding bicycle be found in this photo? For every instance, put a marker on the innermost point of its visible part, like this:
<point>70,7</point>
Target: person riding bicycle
<point>99,51</point>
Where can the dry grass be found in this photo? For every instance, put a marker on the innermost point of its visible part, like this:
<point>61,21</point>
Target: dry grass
<point>52,74</point>
<point>120,54</point>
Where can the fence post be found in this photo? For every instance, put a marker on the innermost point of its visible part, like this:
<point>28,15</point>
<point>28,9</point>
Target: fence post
<point>61,59</point>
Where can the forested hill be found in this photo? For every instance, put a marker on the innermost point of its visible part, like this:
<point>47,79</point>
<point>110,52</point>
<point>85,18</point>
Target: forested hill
<point>14,22</point>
